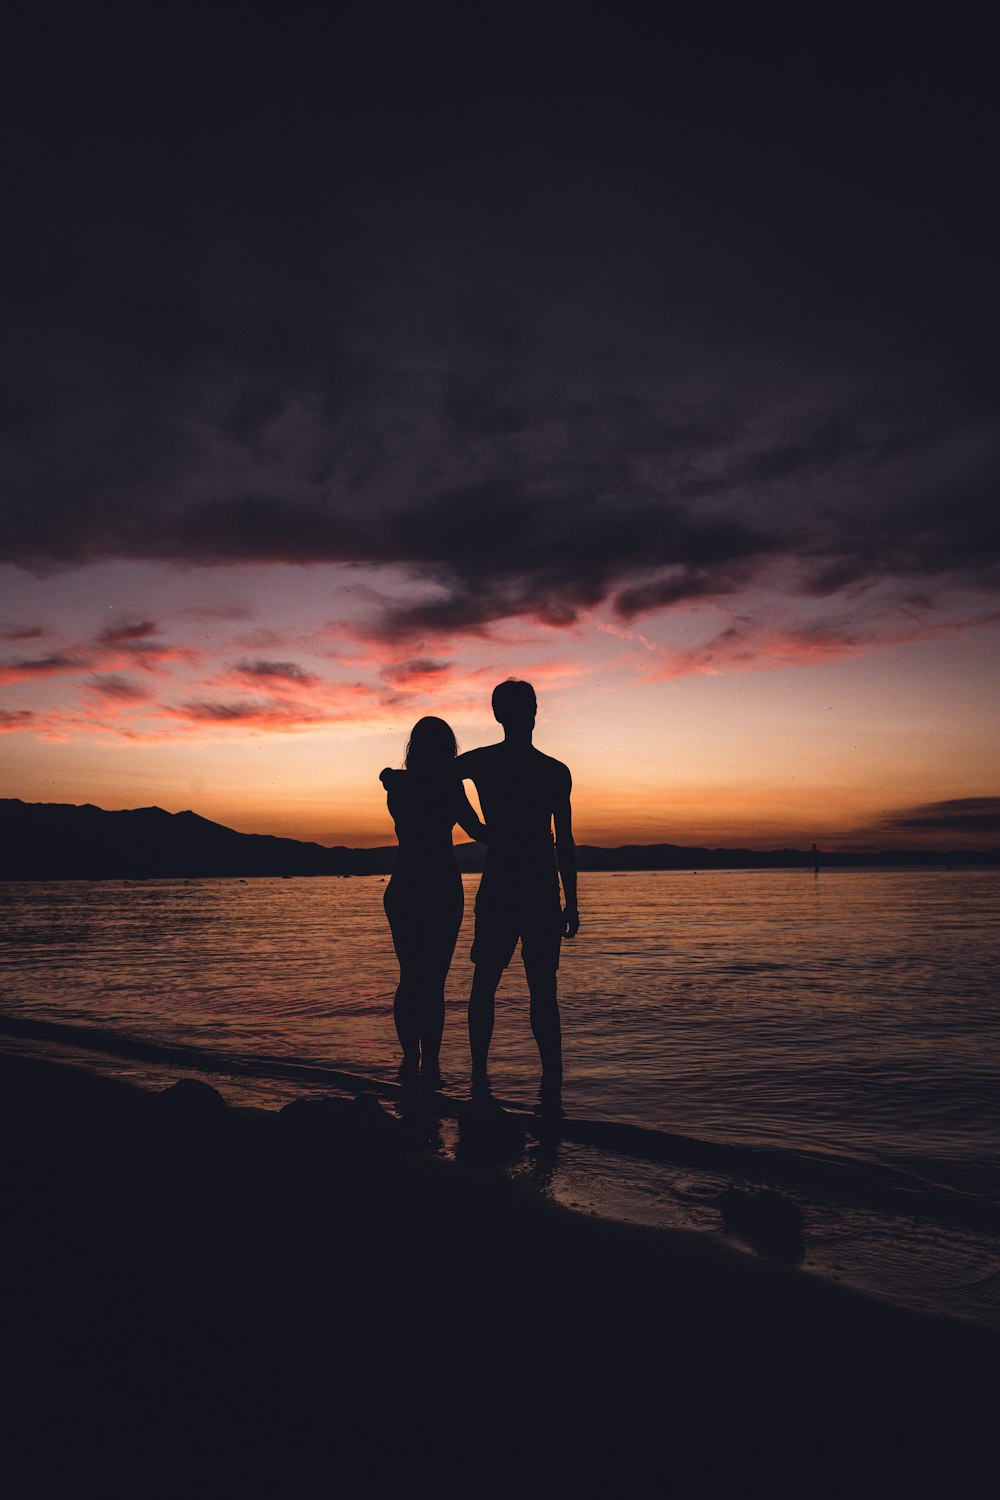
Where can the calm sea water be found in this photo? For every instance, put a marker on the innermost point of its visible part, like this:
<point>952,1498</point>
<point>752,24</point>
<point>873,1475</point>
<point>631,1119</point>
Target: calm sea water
<point>853,1015</point>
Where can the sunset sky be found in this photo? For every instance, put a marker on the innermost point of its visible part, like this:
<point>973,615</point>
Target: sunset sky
<point>348,372</point>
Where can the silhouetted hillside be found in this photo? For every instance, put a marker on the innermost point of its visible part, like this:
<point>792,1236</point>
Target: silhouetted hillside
<point>54,841</point>
<point>58,841</point>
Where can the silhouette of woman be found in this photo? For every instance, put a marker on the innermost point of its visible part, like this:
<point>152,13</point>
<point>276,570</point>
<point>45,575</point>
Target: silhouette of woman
<point>424,900</point>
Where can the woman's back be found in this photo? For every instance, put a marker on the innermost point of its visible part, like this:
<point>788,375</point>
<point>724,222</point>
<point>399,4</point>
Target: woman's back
<point>424,807</point>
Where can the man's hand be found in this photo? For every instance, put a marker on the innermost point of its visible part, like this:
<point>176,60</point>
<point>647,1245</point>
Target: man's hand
<point>571,922</point>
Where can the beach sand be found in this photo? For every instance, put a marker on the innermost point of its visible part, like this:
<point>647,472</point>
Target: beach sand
<point>202,1299</point>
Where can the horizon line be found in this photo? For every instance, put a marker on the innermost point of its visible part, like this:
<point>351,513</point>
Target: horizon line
<point>814,847</point>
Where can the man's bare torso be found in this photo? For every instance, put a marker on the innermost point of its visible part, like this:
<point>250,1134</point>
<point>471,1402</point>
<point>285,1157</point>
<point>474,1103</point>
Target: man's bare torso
<point>519,791</point>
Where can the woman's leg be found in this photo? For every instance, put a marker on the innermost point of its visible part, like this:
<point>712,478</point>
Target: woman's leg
<point>406,1014</point>
<point>399,909</point>
<point>441,935</point>
<point>431,1027</point>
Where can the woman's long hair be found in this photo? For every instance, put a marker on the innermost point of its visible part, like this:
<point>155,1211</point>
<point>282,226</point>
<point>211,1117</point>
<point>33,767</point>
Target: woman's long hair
<point>431,746</point>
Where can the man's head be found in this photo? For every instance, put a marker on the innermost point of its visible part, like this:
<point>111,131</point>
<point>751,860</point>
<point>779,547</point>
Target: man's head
<point>515,705</point>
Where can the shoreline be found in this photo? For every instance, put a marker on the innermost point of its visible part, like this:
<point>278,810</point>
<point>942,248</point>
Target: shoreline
<point>831,1176</point>
<point>177,1251</point>
<point>921,1242</point>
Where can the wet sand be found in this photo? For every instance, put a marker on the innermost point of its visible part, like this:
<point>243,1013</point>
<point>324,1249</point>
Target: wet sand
<point>241,1301</point>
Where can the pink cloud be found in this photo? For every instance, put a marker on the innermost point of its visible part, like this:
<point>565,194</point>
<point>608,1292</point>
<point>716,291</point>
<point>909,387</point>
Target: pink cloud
<point>418,675</point>
<point>150,656</point>
<point>120,689</point>
<point>142,687</point>
<point>126,646</point>
<point>13,720</point>
<point>253,713</point>
<point>57,664</point>
<point>748,644</point>
<point>289,704</point>
<point>277,672</point>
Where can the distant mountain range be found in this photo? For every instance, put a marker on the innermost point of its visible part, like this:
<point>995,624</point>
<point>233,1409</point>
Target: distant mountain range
<point>59,841</point>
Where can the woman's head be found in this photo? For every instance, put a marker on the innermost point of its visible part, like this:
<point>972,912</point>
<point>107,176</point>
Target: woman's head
<point>431,745</point>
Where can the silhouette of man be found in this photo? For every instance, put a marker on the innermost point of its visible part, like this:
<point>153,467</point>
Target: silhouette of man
<point>522,793</point>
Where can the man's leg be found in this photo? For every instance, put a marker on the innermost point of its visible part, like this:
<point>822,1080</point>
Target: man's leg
<point>545,1025</point>
<point>485,981</point>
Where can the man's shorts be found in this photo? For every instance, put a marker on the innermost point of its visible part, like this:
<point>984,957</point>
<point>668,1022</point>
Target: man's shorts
<point>523,905</point>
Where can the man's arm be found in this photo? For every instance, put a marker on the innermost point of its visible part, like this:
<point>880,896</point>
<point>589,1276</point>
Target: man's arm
<point>464,765</point>
<point>465,817</point>
<point>566,856</point>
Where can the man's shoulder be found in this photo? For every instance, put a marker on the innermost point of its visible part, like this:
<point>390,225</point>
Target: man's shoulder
<point>555,769</point>
<point>482,755</point>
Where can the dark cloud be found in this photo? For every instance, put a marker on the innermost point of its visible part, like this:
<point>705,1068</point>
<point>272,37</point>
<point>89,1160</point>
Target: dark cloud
<point>43,666</point>
<point>120,689</point>
<point>404,673</point>
<point>247,713</point>
<point>679,584</point>
<point>279,671</point>
<point>24,633</point>
<point>575,330</point>
<point>957,815</point>
<point>234,712</point>
<point>116,635</point>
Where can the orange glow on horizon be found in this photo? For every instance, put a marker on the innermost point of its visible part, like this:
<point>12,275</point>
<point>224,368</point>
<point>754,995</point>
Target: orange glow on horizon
<point>691,731</point>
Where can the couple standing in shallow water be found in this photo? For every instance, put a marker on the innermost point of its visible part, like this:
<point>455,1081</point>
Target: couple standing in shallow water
<point>523,795</point>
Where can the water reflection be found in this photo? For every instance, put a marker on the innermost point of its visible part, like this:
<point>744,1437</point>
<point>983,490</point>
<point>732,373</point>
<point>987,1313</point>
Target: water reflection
<point>856,1012</point>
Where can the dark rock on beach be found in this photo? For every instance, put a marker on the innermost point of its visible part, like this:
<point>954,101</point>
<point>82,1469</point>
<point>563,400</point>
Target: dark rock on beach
<point>192,1099</point>
<point>353,1126</point>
